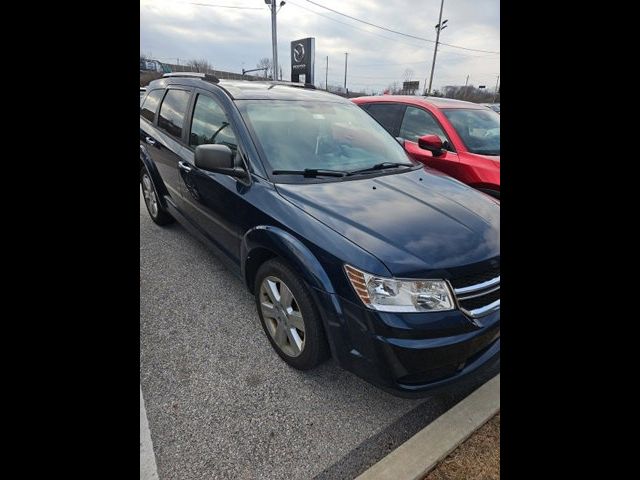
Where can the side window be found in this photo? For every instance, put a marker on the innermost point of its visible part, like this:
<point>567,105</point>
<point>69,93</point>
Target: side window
<point>172,112</point>
<point>417,123</point>
<point>389,115</point>
<point>150,104</point>
<point>210,124</point>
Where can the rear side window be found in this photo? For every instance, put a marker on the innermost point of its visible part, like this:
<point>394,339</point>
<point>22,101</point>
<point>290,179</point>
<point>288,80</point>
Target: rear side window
<point>172,112</point>
<point>417,123</point>
<point>210,124</point>
<point>150,104</point>
<point>389,115</point>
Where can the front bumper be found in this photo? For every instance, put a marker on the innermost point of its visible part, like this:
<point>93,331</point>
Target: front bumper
<point>408,354</point>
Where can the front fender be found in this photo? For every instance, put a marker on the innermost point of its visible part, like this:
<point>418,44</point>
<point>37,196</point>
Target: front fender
<point>290,248</point>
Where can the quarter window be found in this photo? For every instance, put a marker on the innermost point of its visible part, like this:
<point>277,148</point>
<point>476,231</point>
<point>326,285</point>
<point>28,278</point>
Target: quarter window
<point>172,112</point>
<point>417,123</point>
<point>210,124</point>
<point>389,115</point>
<point>150,104</point>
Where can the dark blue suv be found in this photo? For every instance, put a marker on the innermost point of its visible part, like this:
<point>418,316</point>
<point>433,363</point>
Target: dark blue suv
<point>350,248</point>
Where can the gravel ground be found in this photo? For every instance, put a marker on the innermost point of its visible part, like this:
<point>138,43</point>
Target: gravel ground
<point>222,404</point>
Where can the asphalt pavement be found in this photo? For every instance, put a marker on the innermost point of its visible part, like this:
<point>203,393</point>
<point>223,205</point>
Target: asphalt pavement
<point>220,402</point>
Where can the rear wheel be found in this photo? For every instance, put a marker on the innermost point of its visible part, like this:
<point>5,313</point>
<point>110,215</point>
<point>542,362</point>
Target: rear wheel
<point>289,317</point>
<point>158,214</point>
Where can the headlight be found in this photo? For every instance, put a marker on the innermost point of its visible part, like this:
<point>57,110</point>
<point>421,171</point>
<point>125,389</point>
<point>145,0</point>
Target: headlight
<point>393,295</point>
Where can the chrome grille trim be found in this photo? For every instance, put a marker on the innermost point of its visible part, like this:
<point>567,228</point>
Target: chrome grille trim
<point>478,286</point>
<point>478,294</point>
<point>482,311</point>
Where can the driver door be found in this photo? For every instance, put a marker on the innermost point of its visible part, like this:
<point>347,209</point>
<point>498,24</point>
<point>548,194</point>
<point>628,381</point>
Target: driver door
<point>214,201</point>
<point>418,122</point>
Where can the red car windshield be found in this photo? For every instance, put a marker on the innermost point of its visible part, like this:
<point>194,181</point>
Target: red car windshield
<point>478,129</point>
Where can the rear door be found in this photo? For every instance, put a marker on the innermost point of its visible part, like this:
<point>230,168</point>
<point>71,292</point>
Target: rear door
<point>417,122</point>
<point>166,145</point>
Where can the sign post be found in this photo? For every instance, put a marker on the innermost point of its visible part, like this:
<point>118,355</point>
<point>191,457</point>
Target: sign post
<point>409,88</point>
<point>303,57</point>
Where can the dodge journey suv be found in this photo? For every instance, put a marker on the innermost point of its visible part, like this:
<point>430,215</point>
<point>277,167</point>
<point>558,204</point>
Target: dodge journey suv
<point>351,248</point>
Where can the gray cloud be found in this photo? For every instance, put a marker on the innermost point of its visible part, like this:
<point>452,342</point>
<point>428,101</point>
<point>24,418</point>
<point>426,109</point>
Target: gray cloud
<point>231,39</point>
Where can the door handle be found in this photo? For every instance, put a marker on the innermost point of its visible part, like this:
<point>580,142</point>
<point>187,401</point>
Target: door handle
<point>150,141</point>
<point>184,166</point>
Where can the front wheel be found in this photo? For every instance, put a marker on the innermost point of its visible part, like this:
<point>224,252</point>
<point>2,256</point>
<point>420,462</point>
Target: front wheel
<point>289,317</point>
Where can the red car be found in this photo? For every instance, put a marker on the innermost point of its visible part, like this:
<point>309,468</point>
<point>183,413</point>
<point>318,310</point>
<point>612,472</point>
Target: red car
<point>461,139</point>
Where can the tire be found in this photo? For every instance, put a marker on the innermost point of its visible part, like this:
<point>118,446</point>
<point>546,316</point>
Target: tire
<point>157,213</point>
<point>287,319</point>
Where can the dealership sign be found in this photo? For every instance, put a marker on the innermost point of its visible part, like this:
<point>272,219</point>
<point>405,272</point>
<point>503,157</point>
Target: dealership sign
<point>303,57</point>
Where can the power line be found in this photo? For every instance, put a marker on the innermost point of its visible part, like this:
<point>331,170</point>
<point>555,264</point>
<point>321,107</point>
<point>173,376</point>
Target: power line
<point>225,6</point>
<point>369,23</point>
<point>470,49</point>
<point>447,52</point>
<point>397,32</point>
<point>353,26</point>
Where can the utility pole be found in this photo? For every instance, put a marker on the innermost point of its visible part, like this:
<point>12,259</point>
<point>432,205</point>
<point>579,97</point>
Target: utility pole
<point>274,37</point>
<point>495,94</point>
<point>326,76</point>
<point>466,81</point>
<point>345,70</point>
<point>435,50</point>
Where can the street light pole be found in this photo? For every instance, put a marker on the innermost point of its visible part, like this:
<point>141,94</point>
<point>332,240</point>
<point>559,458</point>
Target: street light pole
<point>345,70</point>
<point>274,40</point>
<point>326,76</point>
<point>274,37</point>
<point>435,50</point>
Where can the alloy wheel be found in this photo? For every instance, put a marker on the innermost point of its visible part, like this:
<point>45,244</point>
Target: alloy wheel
<point>282,316</point>
<point>149,195</point>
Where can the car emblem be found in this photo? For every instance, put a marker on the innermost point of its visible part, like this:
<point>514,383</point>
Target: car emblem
<point>298,52</point>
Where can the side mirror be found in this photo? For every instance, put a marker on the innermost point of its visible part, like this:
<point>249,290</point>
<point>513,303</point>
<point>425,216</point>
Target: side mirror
<point>218,159</point>
<point>431,143</point>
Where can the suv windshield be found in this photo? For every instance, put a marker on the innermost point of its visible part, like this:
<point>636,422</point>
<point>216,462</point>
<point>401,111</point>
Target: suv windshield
<point>322,136</point>
<point>479,129</point>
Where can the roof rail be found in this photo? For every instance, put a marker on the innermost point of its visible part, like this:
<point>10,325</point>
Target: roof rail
<point>310,86</point>
<point>204,76</point>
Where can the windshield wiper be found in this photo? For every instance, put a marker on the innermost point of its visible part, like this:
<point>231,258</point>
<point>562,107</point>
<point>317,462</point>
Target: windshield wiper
<point>380,166</point>
<point>311,172</point>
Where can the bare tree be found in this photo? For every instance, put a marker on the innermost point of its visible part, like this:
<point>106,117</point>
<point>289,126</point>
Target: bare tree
<point>468,92</point>
<point>265,62</point>
<point>200,66</point>
<point>407,75</point>
<point>394,88</point>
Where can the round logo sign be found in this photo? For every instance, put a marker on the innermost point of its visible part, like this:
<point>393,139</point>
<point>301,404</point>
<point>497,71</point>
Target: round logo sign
<point>298,53</point>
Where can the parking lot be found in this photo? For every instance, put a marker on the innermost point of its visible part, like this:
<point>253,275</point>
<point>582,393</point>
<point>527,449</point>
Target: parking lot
<point>222,404</point>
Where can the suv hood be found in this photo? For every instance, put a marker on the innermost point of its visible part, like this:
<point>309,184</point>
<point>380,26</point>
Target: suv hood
<point>414,222</point>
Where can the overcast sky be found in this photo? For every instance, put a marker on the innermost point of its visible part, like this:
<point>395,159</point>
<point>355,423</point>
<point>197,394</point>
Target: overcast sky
<point>232,39</point>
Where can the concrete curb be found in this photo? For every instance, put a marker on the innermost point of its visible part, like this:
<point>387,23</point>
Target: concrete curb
<point>148,470</point>
<point>417,456</point>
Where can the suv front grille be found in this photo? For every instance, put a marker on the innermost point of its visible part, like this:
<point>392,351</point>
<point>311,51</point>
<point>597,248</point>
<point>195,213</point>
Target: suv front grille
<point>478,294</point>
<point>474,303</point>
<point>476,277</point>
